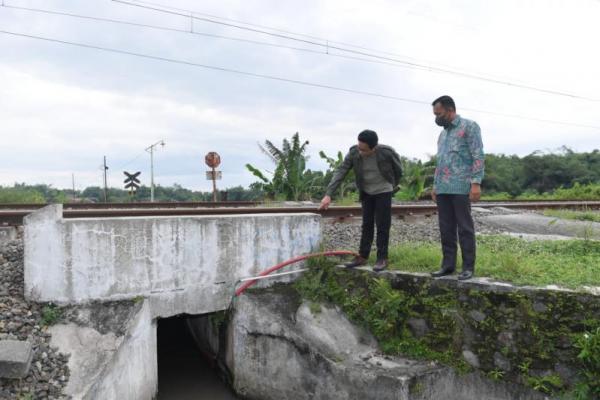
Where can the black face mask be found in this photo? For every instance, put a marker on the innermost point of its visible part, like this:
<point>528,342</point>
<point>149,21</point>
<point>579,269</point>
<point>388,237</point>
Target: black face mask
<point>441,121</point>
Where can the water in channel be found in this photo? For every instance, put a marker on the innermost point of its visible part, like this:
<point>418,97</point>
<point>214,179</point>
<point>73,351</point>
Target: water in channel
<point>183,373</point>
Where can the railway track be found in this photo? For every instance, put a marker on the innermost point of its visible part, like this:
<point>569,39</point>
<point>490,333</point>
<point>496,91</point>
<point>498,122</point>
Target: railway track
<point>104,206</point>
<point>13,214</point>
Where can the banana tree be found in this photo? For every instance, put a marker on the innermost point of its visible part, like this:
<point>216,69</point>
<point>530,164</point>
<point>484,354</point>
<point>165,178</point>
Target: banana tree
<point>415,176</point>
<point>290,180</point>
<point>348,185</point>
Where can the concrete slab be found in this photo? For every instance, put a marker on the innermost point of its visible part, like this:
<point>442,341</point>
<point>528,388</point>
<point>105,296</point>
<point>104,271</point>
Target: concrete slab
<point>184,264</point>
<point>531,237</point>
<point>15,358</point>
<point>536,224</point>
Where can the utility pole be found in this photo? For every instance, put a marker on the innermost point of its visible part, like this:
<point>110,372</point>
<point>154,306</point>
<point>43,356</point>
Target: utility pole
<point>73,179</point>
<point>105,182</point>
<point>150,149</point>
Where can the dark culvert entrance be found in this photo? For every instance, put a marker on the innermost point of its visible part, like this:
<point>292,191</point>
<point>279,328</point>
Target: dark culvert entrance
<point>184,372</point>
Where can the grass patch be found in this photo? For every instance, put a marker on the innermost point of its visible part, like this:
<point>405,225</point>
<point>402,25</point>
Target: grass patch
<point>499,196</point>
<point>348,200</point>
<point>570,263</point>
<point>50,314</point>
<point>576,192</point>
<point>589,216</point>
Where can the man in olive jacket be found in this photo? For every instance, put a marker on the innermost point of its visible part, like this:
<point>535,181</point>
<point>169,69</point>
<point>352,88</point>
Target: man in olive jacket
<point>378,171</point>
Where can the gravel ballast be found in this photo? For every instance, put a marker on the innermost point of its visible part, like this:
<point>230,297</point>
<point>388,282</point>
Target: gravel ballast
<point>413,228</point>
<point>22,320</point>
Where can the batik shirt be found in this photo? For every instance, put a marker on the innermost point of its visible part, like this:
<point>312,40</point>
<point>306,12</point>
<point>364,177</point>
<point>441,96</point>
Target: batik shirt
<point>460,158</point>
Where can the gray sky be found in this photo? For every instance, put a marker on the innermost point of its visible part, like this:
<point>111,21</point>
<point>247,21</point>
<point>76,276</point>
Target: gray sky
<point>62,108</point>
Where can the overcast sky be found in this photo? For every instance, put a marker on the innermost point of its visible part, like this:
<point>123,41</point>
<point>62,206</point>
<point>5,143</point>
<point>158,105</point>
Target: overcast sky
<point>62,108</point>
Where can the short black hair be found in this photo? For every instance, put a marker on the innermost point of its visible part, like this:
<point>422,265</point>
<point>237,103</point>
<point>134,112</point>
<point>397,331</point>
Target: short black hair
<point>369,137</point>
<point>446,101</point>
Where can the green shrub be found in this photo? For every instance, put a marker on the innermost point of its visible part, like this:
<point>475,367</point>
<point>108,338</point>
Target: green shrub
<point>50,314</point>
<point>588,344</point>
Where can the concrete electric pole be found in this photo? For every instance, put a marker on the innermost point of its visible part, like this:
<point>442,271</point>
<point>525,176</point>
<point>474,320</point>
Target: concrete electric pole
<point>150,149</point>
<point>105,168</point>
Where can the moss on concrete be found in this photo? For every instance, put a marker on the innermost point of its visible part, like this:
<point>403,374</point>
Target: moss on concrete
<point>525,336</point>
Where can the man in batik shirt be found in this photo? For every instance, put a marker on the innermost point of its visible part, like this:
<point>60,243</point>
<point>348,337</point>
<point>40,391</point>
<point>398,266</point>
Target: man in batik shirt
<point>457,182</point>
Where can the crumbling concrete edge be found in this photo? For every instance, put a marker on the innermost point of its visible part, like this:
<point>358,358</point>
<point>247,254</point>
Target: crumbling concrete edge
<point>132,373</point>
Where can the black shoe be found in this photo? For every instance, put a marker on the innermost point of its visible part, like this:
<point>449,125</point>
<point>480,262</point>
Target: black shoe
<point>380,265</point>
<point>356,262</point>
<point>442,272</point>
<point>465,275</point>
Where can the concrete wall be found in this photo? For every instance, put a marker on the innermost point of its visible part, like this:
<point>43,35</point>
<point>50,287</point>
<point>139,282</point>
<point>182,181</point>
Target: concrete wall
<point>186,264</point>
<point>277,348</point>
<point>133,371</point>
<point>105,365</point>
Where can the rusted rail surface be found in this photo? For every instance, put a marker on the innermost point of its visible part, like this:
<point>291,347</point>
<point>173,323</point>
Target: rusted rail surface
<point>103,206</point>
<point>220,204</point>
<point>15,215</point>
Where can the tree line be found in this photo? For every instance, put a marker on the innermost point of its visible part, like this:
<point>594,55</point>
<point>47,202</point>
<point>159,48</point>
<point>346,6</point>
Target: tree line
<point>507,176</point>
<point>562,173</point>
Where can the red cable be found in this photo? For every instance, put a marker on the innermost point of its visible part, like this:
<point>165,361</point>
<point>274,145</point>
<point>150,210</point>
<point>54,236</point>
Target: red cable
<point>246,285</point>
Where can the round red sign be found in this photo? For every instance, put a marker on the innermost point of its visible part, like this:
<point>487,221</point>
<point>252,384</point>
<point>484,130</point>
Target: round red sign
<point>213,159</point>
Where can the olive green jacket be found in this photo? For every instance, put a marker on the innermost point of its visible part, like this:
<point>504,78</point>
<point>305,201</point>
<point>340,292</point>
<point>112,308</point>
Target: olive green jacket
<point>387,160</point>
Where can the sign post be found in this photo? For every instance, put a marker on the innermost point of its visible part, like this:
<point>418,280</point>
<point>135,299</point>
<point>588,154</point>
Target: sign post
<point>213,160</point>
<point>132,182</point>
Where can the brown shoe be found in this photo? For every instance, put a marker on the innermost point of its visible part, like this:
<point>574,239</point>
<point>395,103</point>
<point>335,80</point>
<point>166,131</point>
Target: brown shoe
<point>356,262</point>
<point>380,265</point>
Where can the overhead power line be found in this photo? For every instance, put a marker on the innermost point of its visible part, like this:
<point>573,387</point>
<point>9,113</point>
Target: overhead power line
<point>324,40</point>
<point>326,51</point>
<point>331,45</point>
<point>281,79</point>
<point>211,35</point>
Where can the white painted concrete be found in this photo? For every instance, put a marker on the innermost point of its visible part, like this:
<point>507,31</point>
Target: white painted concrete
<point>184,264</point>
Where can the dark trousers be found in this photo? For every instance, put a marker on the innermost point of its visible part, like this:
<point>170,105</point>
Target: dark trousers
<point>454,214</point>
<point>376,210</point>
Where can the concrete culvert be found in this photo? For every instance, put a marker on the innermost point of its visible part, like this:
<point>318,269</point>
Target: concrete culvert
<point>187,366</point>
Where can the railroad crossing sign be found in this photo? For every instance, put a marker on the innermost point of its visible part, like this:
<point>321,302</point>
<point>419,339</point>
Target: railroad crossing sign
<point>132,182</point>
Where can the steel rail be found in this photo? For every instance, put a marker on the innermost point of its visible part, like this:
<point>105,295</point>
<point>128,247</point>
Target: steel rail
<point>102,206</point>
<point>15,216</point>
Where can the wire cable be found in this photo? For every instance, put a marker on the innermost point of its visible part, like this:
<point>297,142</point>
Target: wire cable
<point>394,63</point>
<point>255,42</point>
<point>274,29</point>
<point>281,79</point>
<point>190,14</point>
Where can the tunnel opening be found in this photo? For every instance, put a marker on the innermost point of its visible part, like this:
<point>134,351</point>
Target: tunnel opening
<point>184,370</point>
